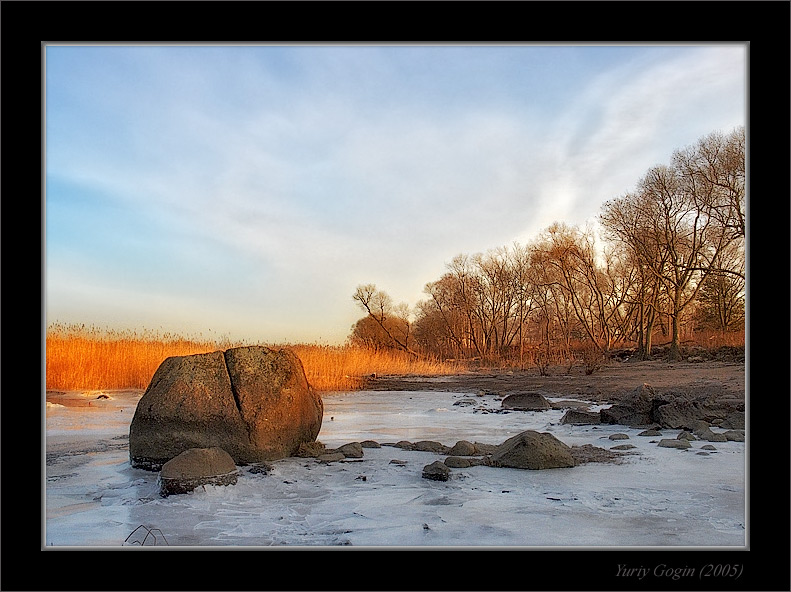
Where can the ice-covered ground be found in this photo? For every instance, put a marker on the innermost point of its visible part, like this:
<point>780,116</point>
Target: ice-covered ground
<point>658,497</point>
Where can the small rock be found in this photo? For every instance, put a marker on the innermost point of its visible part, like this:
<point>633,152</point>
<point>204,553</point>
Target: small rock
<point>436,471</point>
<point>464,403</point>
<point>526,401</point>
<point>667,443</point>
<point>457,462</point>
<point>195,467</point>
<point>310,449</point>
<point>351,450</point>
<point>398,462</point>
<point>734,435</point>
<point>710,436</point>
<point>650,433</point>
<point>430,446</point>
<point>684,435</point>
<point>260,468</point>
<point>462,448</point>
<point>624,447</point>
<point>370,444</point>
<point>619,437</point>
<point>331,457</point>
<point>580,417</point>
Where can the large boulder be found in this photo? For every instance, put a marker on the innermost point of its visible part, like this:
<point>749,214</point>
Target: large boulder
<point>526,401</point>
<point>253,402</point>
<point>195,467</point>
<point>533,450</point>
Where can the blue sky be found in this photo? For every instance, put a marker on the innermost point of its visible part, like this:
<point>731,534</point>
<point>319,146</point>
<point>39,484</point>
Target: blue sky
<point>247,190</point>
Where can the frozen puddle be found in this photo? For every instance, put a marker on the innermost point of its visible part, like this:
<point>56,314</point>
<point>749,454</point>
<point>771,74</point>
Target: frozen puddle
<point>657,497</point>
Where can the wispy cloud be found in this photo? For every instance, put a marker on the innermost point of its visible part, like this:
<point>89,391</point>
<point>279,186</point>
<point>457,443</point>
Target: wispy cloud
<point>263,184</point>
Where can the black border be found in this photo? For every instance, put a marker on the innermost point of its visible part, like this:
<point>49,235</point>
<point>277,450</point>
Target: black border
<point>25,25</point>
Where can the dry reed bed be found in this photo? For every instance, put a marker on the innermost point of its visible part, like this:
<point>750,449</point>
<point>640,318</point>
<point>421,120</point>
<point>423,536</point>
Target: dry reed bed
<point>93,359</point>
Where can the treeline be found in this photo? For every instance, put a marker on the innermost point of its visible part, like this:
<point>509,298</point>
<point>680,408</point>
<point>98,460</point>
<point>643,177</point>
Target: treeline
<point>668,258</point>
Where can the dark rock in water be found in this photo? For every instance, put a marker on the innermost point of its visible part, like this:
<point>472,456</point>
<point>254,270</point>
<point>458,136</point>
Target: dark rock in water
<point>253,402</point>
<point>619,436</point>
<point>734,435</point>
<point>436,471</point>
<point>195,467</point>
<point>526,401</point>
<point>686,436</point>
<point>370,444</point>
<point>624,447</point>
<point>667,443</point>
<point>580,417</point>
<point>533,450</point>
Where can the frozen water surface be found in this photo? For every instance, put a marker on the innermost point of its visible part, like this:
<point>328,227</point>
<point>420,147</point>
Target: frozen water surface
<point>658,497</point>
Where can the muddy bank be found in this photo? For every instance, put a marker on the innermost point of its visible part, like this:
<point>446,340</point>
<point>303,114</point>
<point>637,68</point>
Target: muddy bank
<point>607,385</point>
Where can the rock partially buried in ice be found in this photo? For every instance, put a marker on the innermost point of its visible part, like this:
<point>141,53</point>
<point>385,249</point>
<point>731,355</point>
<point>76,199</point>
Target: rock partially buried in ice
<point>533,450</point>
<point>430,446</point>
<point>526,401</point>
<point>351,450</point>
<point>436,471</point>
<point>457,462</point>
<point>195,467</point>
<point>580,417</point>
<point>253,402</point>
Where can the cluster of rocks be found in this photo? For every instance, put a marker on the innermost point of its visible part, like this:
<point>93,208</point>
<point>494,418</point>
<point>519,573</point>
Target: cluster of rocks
<point>204,414</point>
<point>669,410</point>
<point>694,415</point>
<point>528,450</point>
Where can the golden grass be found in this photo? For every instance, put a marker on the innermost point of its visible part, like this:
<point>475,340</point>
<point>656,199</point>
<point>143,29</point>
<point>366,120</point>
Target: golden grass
<point>80,358</point>
<point>346,368</point>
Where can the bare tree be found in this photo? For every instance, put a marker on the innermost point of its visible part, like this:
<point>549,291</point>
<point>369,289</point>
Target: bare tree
<point>380,308</point>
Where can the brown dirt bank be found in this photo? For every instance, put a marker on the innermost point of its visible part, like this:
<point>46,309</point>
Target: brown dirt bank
<point>707,378</point>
